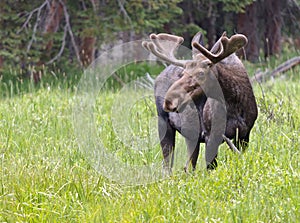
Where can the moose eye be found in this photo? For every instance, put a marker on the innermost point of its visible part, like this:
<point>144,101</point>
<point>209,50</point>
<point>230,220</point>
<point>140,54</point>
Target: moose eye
<point>201,74</point>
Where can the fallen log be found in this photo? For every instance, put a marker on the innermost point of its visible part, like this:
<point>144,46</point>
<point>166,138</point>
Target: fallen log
<point>262,76</point>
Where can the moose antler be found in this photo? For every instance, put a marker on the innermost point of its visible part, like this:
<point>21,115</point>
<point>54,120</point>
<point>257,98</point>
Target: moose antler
<point>164,46</point>
<point>218,45</point>
<point>223,46</point>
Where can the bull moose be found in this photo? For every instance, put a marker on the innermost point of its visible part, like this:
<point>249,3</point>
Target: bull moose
<point>194,96</point>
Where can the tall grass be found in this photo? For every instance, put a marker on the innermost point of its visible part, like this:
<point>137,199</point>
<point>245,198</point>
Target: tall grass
<point>45,178</point>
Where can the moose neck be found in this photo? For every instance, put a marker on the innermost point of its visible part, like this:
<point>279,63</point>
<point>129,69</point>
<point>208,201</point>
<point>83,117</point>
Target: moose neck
<point>234,82</point>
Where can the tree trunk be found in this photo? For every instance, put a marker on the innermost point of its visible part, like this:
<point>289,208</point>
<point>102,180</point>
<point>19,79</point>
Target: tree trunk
<point>273,23</point>
<point>211,32</point>
<point>247,24</point>
<point>1,64</point>
<point>211,26</point>
<point>53,19</point>
<point>1,47</point>
<point>88,39</point>
<point>87,50</point>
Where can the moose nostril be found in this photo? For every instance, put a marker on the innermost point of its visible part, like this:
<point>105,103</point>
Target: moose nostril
<point>169,106</point>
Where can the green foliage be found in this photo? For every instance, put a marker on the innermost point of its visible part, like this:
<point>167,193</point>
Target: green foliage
<point>235,5</point>
<point>9,40</point>
<point>151,15</point>
<point>23,46</point>
<point>15,83</point>
<point>23,42</point>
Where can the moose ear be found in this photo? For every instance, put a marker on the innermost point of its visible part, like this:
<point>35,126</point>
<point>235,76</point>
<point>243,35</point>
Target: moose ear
<point>199,39</point>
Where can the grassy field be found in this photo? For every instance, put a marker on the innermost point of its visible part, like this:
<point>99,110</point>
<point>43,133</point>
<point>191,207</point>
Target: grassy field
<point>44,177</point>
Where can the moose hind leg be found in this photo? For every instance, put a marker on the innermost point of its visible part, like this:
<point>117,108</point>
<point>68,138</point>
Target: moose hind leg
<point>244,142</point>
<point>241,143</point>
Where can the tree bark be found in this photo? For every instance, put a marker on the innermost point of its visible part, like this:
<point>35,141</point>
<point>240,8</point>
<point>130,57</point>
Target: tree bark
<point>273,23</point>
<point>87,50</point>
<point>247,24</point>
<point>53,19</point>
<point>211,26</point>
<point>88,40</point>
<point>1,47</point>
<point>1,64</point>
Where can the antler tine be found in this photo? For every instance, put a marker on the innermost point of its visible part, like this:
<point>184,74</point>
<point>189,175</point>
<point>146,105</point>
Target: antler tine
<point>164,46</point>
<point>226,47</point>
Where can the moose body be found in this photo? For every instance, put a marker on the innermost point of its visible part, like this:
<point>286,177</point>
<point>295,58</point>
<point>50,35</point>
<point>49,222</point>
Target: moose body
<point>189,101</point>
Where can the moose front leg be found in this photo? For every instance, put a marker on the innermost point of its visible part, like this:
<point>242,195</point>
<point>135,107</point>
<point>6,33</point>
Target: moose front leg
<point>168,154</point>
<point>215,119</point>
<point>167,143</point>
<point>193,147</point>
<point>211,153</point>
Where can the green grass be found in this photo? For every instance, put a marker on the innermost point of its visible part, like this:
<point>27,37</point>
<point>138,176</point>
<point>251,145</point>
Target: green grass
<point>45,178</point>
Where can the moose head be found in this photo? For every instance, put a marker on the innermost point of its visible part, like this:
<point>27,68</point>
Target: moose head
<point>198,72</point>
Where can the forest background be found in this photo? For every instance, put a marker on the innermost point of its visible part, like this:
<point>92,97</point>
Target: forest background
<point>67,35</point>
